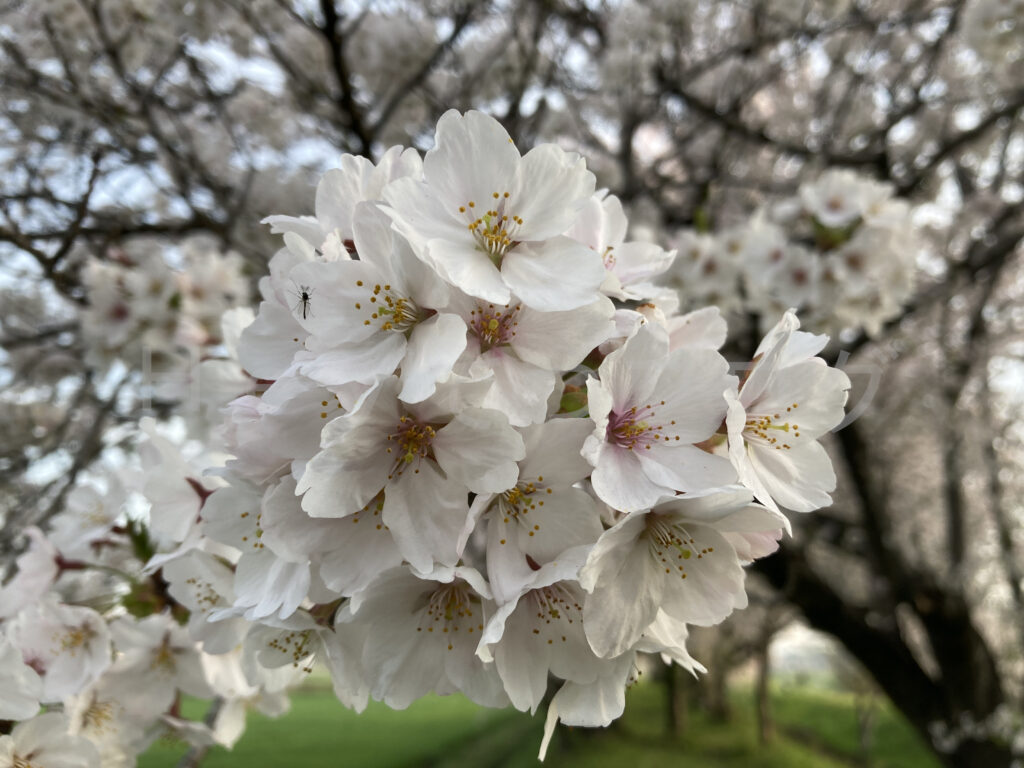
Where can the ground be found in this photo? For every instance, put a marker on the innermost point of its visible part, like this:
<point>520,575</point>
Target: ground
<point>817,729</point>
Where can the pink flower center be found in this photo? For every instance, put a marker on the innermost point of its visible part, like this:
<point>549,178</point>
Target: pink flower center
<point>494,326</point>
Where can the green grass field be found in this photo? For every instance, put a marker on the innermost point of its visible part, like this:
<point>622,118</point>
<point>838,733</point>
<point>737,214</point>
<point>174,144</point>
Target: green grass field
<point>817,729</point>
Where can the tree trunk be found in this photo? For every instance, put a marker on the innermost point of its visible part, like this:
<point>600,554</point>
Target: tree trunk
<point>969,684</point>
<point>677,704</point>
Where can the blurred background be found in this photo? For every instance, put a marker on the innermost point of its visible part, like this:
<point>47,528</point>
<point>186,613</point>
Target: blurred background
<point>152,136</point>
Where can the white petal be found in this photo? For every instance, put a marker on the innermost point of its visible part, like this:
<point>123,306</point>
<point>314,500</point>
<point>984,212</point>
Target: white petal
<point>625,588</point>
<point>479,449</point>
<point>520,391</point>
<point>560,340</point>
<point>552,187</point>
<point>472,157</point>
<point>621,482</point>
<point>434,346</point>
<point>361,362</point>
<point>799,479</point>
<point>558,274</point>
<point>426,514</point>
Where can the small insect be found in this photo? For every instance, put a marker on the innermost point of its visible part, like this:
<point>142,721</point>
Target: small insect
<point>304,295</point>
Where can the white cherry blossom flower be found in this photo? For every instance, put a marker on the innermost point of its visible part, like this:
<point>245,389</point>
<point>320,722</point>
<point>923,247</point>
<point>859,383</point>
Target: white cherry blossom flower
<point>631,266</point>
<point>540,631</point>
<point>525,350</point>
<point>674,558</point>
<point>543,514</point>
<point>650,408</point>
<point>422,631</point>
<point>157,657</point>
<point>299,641</point>
<point>341,190</point>
<point>491,221</point>
<point>203,584</point>
<point>20,683</point>
<point>790,399</point>
<point>36,572</point>
<point>436,450</point>
<point>68,645</point>
<point>44,742</point>
<point>385,311</point>
<point>264,583</point>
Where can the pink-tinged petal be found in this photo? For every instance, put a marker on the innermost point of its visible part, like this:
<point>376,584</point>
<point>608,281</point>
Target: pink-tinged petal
<point>552,186</point>
<point>558,274</point>
<point>434,346</point>
<point>799,479</point>
<point>479,449</point>
<point>473,157</point>
<point>620,481</point>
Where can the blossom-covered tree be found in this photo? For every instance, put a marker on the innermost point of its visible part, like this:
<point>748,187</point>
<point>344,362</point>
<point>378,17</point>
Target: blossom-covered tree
<point>585,400</point>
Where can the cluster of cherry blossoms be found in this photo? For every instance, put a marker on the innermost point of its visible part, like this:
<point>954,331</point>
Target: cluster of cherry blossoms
<point>843,252</point>
<point>147,314</point>
<point>479,449</point>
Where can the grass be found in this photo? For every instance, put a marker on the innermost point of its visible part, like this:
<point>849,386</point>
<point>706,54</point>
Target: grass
<point>816,729</point>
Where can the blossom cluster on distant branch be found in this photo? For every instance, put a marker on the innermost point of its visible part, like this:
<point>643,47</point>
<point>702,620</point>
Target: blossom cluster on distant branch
<point>479,447</point>
<point>843,252</point>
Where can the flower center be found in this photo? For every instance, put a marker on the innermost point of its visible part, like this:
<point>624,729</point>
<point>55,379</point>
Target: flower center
<point>410,441</point>
<point>99,716</point>
<point>551,610</point>
<point>494,326</point>
<point>389,308</point>
<point>297,646</point>
<point>74,638</point>
<point>452,607</point>
<point>164,659</point>
<point>495,229</point>
<point>635,427</point>
<point>516,503</point>
<point>608,257</point>
<point>770,430</point>
<point>671,545</point>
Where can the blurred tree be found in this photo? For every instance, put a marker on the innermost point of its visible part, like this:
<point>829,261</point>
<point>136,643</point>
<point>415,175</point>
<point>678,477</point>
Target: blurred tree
<point>136,129</point>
